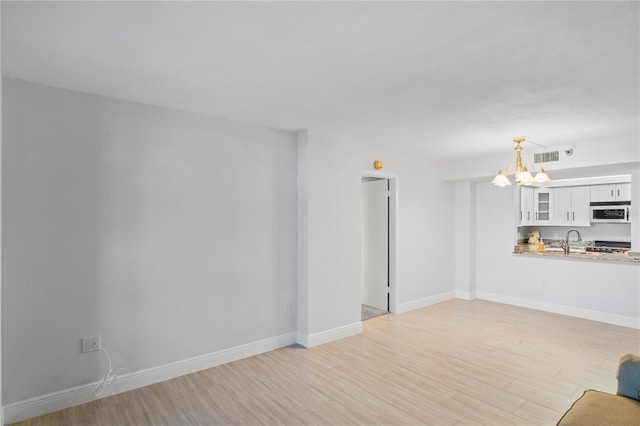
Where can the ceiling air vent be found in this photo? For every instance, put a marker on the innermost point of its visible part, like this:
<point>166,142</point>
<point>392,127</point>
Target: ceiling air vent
<point>546,157</point>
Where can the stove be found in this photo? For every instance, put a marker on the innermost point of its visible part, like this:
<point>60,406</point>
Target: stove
<point>614,247</point>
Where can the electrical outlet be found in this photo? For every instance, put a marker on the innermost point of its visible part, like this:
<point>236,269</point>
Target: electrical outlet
<point>286,306</point>
<point>90,344</point>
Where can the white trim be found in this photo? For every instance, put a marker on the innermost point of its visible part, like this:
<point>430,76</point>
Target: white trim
<point>394,203</point>
<point>425,301</point>
<point>66,398</point>
<point>605,317</point>
<point>377,174</point>
<point>1,145</point>
<point>466,295</point>
<point>311,340</point>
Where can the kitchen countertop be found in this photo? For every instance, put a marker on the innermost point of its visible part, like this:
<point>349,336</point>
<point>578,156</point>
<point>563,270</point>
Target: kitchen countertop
<point>531,250</point>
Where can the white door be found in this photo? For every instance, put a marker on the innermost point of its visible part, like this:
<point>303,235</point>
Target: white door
<point>375,243</point>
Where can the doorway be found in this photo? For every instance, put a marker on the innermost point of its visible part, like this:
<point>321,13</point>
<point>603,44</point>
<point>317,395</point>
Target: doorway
<point>376,283</point>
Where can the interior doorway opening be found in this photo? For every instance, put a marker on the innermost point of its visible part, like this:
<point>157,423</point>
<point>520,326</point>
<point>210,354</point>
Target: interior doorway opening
<point>378,246</point>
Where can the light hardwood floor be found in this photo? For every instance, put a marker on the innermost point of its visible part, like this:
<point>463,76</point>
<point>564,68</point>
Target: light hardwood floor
<point>454,363</point>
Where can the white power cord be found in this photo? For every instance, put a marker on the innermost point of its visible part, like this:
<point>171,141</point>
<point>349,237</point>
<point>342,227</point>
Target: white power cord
<point>108,378</point>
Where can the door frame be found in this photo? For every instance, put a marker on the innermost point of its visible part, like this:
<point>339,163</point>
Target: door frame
<point>393,234</point>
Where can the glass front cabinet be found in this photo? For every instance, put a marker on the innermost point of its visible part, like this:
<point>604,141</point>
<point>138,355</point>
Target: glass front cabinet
<point>543,205</point>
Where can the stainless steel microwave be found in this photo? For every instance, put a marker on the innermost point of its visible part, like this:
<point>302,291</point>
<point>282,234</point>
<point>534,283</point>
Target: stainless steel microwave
<point>610,213</point>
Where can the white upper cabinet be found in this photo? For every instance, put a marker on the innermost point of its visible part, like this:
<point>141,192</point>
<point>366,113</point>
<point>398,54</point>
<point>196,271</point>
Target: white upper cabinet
<point>526,206</point>
<point>580,209</point>
<point>567,205</point>
<point>617,192</point>
<point>571,206</point>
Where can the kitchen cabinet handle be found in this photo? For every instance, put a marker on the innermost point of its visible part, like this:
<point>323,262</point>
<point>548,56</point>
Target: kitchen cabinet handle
<point>528,215</point>
<point>612,193</point>
<point>567,216</point>
<point>574,216</point>
<point>618,192</point>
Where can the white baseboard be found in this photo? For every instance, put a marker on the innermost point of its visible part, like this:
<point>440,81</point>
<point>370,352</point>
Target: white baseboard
<point>311,340</point>
<point>466,295</point>
<point>425,301</point>
<point>605,317</point>
<point>55,401</point>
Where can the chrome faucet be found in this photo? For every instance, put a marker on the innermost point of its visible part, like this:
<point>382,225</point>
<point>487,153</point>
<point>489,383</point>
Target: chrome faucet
<point>565,243</point>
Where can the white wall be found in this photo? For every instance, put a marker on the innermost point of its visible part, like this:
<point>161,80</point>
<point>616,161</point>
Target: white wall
<point>171,235</point>
<point>1,173</point>
<point>464,239</point>
<point>302,302</point>
<point>330,168</point>
<point>425,235</point>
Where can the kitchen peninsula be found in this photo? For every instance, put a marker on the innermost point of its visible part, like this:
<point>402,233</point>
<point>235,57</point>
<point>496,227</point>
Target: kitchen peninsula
<point>593,211</point>
<point>554,251</point>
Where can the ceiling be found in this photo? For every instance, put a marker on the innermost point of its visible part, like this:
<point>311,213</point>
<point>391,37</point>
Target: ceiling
<point>444,80</point>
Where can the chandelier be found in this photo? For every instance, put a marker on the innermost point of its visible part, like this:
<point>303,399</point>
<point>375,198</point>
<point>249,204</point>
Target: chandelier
<point>522,175</point>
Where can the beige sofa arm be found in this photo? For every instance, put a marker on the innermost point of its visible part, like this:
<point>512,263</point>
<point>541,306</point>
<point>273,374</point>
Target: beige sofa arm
<point>595,408</point>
